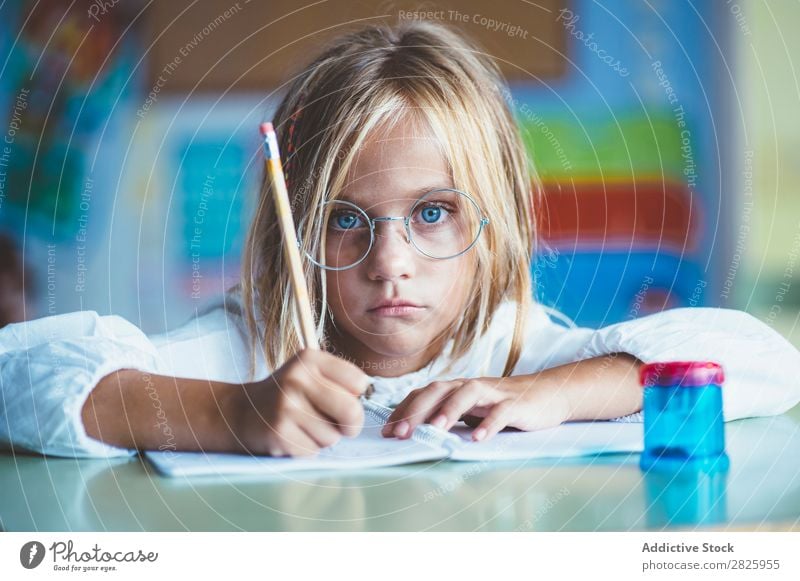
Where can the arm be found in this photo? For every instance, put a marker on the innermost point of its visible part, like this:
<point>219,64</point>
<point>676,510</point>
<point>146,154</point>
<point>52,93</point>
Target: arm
<point>47,369</point>
<point>760,370</point>
<point>50,367</point>
<point>760,365</point>
<point>307,404</point>
<point>601,388</point>
<point>136,410</point>
<point>593,389</point>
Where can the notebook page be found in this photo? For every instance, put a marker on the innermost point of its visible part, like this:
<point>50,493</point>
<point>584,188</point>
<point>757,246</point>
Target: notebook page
<point>571,439</point>
<point>368,450</point>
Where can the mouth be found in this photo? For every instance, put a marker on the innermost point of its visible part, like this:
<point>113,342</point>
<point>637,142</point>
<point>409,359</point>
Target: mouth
<point>396,308</point>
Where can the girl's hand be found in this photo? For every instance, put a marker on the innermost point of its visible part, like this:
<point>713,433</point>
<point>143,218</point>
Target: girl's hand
<point>526,402</point>
<point>307,404</point>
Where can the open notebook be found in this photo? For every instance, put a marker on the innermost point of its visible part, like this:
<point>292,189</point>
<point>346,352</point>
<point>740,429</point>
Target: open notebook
<point>370,450</point>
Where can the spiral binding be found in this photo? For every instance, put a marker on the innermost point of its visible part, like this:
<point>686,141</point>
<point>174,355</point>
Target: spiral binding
<point>425,434</point>
<point>376,410</point>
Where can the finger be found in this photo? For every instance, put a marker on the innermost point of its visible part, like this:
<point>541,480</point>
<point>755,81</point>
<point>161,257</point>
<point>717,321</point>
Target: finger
<point>392,422</point>
<point>472,394</point>
<point>408,417</point>
<point>343,374</point>
<point>294,441</point>
<point>320,430</point>
<point>396,424</point>
<point>343,410</point>
<point>478,412</point>
<point>394,419</point>
<point>498,418</point>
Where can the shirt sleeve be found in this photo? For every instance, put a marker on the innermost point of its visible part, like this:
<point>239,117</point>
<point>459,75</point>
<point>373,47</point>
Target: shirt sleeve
<point>760,365</point>
<point>48,368</point>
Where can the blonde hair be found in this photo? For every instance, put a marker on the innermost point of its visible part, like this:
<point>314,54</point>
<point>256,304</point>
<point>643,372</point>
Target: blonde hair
<point>362,81</point>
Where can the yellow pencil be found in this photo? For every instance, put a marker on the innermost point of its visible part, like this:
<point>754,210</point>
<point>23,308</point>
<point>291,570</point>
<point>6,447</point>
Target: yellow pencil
<point>290,246</point>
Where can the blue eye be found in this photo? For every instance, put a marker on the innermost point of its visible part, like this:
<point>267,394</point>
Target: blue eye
<point>431,214</point>
<point>346,221</point>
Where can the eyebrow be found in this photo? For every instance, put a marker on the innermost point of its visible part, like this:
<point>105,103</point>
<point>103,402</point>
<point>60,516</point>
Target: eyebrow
<point>415,193</point>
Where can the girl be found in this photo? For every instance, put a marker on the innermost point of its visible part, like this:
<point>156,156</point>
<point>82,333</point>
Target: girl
<point>413,202</point>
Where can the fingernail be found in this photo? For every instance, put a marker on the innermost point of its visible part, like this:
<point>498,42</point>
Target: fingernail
<point>401,429</point>
<point>479,434</point>
<point>440,421</point>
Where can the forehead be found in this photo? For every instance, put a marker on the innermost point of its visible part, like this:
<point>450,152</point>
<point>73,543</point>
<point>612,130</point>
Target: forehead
<point>396,162</point>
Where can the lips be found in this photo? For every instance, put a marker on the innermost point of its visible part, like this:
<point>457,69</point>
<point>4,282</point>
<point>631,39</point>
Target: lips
<point>394,303</point>
<point>396,308</point>
<point>398,311</point>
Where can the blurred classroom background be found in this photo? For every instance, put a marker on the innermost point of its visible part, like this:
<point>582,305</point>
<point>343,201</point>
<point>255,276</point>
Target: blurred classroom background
<point>665,134</point>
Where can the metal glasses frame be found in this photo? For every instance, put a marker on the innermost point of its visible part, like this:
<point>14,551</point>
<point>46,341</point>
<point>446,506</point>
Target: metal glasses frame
<point>484,221</point>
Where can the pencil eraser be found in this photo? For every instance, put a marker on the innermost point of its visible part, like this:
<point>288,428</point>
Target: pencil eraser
<point>266,128</point>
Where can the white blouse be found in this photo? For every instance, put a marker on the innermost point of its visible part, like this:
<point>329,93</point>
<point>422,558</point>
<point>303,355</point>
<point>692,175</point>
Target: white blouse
<point>49,366</point>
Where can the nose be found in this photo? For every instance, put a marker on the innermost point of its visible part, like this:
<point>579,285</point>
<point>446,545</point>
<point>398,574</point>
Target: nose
<point>392,256</point>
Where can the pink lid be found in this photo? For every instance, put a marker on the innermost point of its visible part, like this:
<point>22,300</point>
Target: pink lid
<point>683,373</point>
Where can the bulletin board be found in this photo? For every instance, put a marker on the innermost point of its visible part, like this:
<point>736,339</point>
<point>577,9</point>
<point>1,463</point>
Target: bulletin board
<point>225,45</point>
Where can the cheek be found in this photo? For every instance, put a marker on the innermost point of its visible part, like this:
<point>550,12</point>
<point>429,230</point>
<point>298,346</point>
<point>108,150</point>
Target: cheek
<point>342,292</point>
<point>447,285</point>
<point>452,277</point>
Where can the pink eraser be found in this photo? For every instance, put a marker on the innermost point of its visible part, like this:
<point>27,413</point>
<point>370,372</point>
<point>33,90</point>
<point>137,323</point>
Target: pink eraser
<point>266,128</point>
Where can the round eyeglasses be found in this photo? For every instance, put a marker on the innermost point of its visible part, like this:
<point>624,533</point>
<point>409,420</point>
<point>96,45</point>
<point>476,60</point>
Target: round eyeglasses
<point>442,224</point>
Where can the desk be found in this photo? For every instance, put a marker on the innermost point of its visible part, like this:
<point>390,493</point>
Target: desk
<point>762,489</point>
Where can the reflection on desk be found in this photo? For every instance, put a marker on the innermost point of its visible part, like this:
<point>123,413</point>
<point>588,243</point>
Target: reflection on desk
<point>585,494</point>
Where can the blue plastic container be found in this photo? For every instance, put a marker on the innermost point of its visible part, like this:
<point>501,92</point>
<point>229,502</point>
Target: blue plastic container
<point>683,423</point>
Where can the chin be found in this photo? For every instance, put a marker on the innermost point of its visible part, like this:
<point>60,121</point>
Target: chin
<point>394,345</point>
